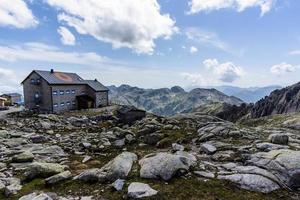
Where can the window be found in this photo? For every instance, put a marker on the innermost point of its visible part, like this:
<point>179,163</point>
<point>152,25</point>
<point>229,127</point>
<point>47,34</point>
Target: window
<point>82,93</point>
<point>54,92</point>
<point>67,91</point>
<point>73,91</point>
<point>61,92</point>
<point>36,95</point>
<point>32,81</point>
<point>62,104</point>
<point>68,103</point>
<point>73,103</point>
<point>55,105</point>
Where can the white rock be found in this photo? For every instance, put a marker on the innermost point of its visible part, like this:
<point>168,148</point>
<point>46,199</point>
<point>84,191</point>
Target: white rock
<point>139,190</point>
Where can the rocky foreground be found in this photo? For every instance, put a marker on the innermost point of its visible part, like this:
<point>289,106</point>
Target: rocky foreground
<point>93,155</point>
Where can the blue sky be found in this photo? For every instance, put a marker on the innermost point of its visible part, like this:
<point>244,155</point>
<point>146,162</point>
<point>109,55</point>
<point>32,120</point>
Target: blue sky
<point>152,43</point>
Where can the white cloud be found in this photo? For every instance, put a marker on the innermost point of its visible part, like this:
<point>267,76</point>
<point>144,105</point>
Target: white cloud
<point>206,38</point>
<point>210,63</point>
<point>216,73</point>
<point>17,14</point>
<point>45,53</point>
<point>282,68</point>
<point>228,72</point>
<point>294,53</point>
<point>238,5</point>
<point>133,24</point>
<point>67,38</point>
<point>8,81</point>
<point>193,49</point>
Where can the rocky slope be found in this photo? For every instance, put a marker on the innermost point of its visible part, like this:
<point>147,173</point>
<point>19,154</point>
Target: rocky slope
<point>286,100</point>
<point>167,102</point>
<point>94,155</point>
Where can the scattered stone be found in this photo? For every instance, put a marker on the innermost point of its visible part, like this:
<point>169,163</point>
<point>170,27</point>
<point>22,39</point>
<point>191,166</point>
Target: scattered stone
<point>63,176</point>
<point>86,159</point>
<point>23,157</point>
<point>208,148</point>
<point>12,189</point>
<point>139,190</point>
<point>164,165</point>
<point>118,184</point>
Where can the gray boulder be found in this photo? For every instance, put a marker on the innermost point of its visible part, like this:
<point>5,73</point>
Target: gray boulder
<point>43,170</point>
<point>117,168</point>
<point>139,190</point>
<point>165,165</point>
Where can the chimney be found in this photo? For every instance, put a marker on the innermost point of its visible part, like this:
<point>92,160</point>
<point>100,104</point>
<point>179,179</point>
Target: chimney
<point>96,80</point>
<point>52,71</point>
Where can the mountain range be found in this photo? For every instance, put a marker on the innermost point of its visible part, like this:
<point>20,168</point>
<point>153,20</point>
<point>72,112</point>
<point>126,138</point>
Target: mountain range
<point>167,102</point>
<point>248,95</point>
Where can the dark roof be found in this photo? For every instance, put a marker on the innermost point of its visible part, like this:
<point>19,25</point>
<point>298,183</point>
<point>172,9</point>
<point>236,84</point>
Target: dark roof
<point>96,85</point>
<point>60,77</point>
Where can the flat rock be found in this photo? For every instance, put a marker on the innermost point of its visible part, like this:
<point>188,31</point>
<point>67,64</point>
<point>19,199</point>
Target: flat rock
<point>139,190</point>
<point>164,165</point>
<point>252,182</point>
<point>284,164</point>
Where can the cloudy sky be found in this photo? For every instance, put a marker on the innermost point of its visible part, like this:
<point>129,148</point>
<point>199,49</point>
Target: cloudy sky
<point>152,43</point>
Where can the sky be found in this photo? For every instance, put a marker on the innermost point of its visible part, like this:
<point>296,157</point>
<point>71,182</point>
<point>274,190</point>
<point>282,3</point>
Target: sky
<point>152,43</point>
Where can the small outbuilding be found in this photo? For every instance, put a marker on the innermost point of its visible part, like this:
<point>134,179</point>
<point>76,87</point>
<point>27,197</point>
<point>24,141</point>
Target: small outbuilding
<point>130,114</point>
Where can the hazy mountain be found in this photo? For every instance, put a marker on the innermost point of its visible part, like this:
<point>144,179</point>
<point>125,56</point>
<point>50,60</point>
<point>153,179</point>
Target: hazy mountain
<point>286,100</point>
<point>167,101</point>
<point>248,95</point>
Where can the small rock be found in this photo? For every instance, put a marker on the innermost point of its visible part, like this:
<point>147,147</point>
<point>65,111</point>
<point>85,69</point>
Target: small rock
<point>12,189</point>
<point>118,184</point>
<point>30,196</point>
<point>208,148</point>
<point>139,190</point>
<point>86,159</point>
<point>119,143</point>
